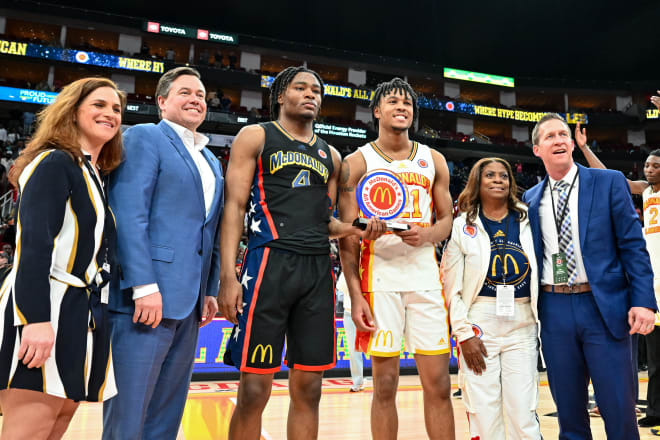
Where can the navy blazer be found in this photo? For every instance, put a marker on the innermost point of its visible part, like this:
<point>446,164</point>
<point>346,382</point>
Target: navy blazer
<point>163,233</point>
<point>613,247</point>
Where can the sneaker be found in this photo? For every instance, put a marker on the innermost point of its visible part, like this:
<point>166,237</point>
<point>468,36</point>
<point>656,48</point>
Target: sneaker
<point>648,421</point>
<point>356,388</point>
<point>457,393</point>
<point>594,412</point>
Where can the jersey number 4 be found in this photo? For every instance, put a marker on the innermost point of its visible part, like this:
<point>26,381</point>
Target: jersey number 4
<point>302,179</point>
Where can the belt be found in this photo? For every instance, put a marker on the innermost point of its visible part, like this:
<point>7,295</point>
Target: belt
<point>566,289</point>
<point>93,289</point>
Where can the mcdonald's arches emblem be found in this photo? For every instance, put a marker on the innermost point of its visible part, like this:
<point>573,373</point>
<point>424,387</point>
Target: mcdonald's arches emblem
<point>381,193</point>
<point>385,334</point>
<point>262,350</point>
<point>507,257</point>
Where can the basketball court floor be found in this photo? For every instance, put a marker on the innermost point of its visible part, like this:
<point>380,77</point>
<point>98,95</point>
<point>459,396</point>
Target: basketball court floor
<point>344,415</point>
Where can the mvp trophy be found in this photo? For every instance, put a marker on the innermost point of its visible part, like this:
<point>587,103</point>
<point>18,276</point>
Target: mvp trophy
<point>383,194</point>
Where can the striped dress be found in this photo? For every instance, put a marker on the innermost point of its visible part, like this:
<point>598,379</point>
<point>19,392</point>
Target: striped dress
<point>62,243</point>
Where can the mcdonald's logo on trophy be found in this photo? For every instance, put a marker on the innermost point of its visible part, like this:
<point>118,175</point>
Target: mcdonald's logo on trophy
<point>381,193</point>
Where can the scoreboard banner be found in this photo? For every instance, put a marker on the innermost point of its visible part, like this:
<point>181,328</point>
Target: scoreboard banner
<point>31,50</point>
<point>156,27</point>
<point>486,78</point>
<point>26,95</point>
<point>493,112</point>
<point>214,336</point>
<point>332,90</point>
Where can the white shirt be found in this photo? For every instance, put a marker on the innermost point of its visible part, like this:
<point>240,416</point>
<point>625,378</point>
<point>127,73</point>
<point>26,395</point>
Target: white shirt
<point>549,228</point>
<point>194,143</point>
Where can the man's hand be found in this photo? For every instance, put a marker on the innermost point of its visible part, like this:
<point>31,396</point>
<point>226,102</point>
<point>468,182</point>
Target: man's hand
<point>374,229</point>
<point>231,299</point>
<point>209,310</point>
<point>149,310</point>
<point>474,352</point>
<point>415,236</point>
<point>655,100</point>
<point>36,344</point>
<point>641,320</point>
<point>362,317</point>
<point>580,136</point>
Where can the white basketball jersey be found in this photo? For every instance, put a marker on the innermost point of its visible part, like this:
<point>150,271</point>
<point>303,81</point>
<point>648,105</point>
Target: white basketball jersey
<point>652,233</point>
<point>389,264</point>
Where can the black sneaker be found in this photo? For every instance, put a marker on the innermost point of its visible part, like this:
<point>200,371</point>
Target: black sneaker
<point>457,393</point>
<point>648,421</point>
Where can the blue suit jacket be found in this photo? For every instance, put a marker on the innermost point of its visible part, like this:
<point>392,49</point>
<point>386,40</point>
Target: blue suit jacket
<point>163,233</point>
<point>613,247</point>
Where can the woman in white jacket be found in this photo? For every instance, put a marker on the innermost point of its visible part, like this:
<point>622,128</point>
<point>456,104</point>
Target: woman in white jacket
<point>488,271</point>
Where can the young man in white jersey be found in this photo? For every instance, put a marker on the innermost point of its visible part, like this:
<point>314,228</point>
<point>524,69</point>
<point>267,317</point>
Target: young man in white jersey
<point>650,191</point>
<point>394,282</point>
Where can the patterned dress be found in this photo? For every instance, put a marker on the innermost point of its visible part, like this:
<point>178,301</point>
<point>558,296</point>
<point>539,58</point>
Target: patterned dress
<point>64,236</point>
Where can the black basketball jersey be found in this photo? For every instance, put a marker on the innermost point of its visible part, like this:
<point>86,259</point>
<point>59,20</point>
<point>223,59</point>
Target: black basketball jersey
<point>289,207</point>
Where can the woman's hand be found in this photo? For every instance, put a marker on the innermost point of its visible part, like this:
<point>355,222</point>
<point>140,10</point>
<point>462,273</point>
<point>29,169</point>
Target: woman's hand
<point>36,344</point>
<point>474,353</point>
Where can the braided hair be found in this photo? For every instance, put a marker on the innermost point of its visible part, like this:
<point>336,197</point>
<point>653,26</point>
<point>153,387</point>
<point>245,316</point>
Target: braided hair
<point>395,85</point>
<point>282,81</point>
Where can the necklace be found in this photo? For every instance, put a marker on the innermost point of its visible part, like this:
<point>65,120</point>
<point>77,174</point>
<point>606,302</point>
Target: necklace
<point>496,219</point>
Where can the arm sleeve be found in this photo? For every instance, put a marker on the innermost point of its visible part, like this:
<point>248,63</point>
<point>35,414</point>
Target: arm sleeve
<point>41,210</point>
<point>452,268</point>
<point>144,290</point>
<point>131,190</point>
<point>213,283</point>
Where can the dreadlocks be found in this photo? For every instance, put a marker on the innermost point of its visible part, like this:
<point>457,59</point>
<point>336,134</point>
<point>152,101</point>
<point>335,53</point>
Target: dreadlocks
<point>396,85</point>
<point>282,81</point>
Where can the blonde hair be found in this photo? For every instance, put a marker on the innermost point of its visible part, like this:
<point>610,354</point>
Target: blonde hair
<point>547,117</point>
<point>57,129</point>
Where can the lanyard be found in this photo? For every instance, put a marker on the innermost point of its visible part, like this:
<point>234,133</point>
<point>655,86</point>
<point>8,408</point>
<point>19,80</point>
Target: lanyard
<point>98,184</point>
<point>501,250</point>
<point>99,187</point>
<point>563,213</point>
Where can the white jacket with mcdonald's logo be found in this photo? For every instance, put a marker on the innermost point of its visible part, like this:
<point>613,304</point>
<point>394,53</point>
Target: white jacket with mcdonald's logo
<point>464,267</point>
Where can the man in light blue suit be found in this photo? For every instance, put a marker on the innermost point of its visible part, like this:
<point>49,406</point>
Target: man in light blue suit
<point>596,284</point>
<point>167,197</point>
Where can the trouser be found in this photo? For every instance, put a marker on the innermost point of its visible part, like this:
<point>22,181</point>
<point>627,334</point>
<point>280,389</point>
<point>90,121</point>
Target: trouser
<point>653,357</point>
<point>153,367</point>
<point>510,383</point>
<point>577,346</point>
<point>356,356</point>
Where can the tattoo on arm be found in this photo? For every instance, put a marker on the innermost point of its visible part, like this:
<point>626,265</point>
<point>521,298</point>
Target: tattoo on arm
<point>345,172</point>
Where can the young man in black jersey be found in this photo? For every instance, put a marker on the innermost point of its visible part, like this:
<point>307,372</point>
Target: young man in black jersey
<point>285,179</point>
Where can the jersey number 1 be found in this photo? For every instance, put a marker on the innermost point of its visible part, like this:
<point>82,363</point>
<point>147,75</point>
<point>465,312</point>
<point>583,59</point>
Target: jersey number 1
<point>302,179</point>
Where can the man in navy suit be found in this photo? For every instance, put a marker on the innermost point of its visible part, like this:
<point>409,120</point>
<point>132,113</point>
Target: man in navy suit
<point>596,282</point>
<point>167,197</point>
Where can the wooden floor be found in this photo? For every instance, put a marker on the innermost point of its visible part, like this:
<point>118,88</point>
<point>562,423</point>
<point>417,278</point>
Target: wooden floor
<point>344,415</point>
